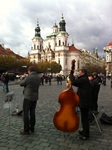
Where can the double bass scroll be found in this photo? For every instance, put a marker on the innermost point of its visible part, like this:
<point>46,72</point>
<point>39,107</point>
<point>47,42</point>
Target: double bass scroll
<point>66,119</point>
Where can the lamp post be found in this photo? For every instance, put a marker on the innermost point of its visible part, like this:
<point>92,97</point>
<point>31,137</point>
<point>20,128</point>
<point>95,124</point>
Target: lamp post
<point>108,50</point>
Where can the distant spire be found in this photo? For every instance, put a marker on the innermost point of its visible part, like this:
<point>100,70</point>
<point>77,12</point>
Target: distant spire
<point>62,24</point>
<point>37,30</point>
<point>55,23</point>
<point>72,42</point>
<point>96,52</point>
<point>37,21</point>
<point>62,13</point>
<point>28,53</point>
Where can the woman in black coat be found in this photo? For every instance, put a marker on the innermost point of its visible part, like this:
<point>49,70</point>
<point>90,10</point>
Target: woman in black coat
<point>85,93</point>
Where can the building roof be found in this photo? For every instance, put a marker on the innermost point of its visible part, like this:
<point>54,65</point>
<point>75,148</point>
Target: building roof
<point>2,50</point>
<point>8,51</point>
<point>72,48</point>
<point>110,44</point>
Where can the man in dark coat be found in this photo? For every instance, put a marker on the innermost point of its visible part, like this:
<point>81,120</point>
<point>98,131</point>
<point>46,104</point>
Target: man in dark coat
<point>95,90</point>
<point>85,93</point>
<point>97,79</point>
<point>31,85</point>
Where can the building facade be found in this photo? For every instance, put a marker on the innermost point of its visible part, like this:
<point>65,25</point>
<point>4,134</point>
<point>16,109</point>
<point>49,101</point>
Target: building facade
<point>56,48</point>
<point>108,51</point>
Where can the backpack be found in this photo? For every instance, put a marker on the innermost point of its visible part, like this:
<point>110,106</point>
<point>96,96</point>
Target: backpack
<point>106,119</point>
<point>2,78</point>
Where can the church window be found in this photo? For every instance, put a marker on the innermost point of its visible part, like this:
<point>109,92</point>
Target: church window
<point>34,61</point>
<point>59,42</point>
<point>55,44</point>
<point>53,55</point>
<point>49,45</point>
<point>65,61</point>
<point>58,54</point>
<point>78,64</point>
<point>39,56</point>
<point>46,58</point>
<point>58,61</point>
<point>34,46</point>
<point>37,46</point>
<point>63,43</point>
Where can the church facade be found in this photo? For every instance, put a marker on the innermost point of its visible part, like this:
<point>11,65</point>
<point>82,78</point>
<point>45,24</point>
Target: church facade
<point>55,48</point>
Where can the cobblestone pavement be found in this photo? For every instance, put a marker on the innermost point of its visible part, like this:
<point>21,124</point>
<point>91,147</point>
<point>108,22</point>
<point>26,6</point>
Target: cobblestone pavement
<point>46,136</point>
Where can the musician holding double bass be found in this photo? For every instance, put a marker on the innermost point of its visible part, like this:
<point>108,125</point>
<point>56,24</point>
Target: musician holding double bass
<point>85,93</point>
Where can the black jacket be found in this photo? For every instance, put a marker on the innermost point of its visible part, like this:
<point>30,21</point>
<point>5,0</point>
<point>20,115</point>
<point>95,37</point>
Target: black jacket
<point>6,78</point>
<point>99,81</point>
<point>95,91</point>
<point>84,90</point>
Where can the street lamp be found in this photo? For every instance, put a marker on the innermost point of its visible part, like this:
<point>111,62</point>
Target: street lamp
<point>108,49</point>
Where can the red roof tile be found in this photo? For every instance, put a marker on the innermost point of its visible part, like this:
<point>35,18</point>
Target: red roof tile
<point>72,48</point>
<point>8,51</point>
<point>2,50</point>
<point>110,44</point>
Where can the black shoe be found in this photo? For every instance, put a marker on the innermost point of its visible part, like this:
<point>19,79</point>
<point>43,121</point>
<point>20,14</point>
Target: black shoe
<point>83,138</point>
<point>80,132</point>
<point>24,133</point>
<point>31,129</point>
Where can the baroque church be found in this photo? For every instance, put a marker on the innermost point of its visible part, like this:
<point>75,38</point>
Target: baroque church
<point>55,48</point>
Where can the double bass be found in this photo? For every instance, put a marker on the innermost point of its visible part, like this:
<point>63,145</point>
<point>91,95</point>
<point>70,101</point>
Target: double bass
<point>66,119</point>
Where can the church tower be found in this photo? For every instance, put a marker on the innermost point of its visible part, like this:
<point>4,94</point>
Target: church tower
<point>62,36</point>
<point>37,45</point>
<point>62,47</point>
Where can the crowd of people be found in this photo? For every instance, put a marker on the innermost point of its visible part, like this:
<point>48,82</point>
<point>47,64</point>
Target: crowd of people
<point>46,79</point>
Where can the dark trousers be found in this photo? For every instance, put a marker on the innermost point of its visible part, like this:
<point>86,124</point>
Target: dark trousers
<point>29,114</point>
<point>94,105</point>
<point>85,121</point>
<point>7,88</point>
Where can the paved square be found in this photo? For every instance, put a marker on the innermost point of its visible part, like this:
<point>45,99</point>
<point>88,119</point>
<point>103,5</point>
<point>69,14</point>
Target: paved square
<point>46,136</point>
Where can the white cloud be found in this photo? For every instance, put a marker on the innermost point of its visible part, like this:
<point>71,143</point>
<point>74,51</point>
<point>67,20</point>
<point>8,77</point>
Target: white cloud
<point>88,22</point>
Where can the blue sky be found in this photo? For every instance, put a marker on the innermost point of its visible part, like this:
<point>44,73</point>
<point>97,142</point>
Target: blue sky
<point>88,22</point>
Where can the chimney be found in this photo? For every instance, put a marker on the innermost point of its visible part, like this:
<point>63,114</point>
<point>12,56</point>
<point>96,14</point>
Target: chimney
<point>2,45</point>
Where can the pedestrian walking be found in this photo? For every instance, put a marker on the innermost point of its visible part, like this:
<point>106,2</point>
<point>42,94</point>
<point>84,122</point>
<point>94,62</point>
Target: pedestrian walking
<point>49,79</point>
<point>3,81</point>
<point>31,85</point>
<point>6,81</point>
